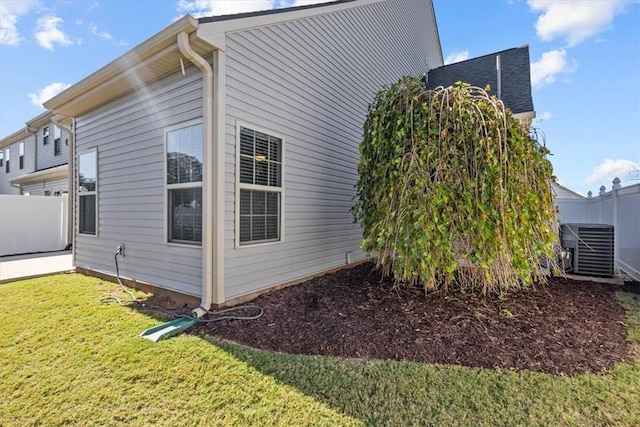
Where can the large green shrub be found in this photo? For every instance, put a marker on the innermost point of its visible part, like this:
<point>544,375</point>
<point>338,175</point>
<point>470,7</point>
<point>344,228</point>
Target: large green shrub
<point>453,190</point>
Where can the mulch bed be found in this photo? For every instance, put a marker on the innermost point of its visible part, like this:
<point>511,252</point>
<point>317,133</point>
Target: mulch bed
<point>566,327</point>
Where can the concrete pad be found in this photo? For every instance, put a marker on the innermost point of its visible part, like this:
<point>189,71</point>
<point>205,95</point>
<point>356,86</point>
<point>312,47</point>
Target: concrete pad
<point>33,265</point>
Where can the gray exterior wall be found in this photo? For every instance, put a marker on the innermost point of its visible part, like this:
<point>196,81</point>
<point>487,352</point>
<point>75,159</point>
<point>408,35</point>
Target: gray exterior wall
<point>46,157</point>
<point>312,80</point>
<point>129,136</point>
<point>15,171</point>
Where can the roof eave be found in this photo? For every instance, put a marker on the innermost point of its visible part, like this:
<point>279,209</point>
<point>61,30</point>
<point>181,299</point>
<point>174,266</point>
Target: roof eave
<point>147,49</point>
<point>53,173</point>
<point>213,30</point>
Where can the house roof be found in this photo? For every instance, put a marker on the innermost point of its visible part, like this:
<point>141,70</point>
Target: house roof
<point>514,72</point>
<point>160,55</point>
<point>151,59</point>
<point>219,18</point>
<point>562,192</point>
<point>30,128</point>
<point>55,172</point>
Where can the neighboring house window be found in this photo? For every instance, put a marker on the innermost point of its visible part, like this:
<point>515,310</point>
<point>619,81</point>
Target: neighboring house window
<point>21,158</point>
<point>260,186</point>
<point>184,183</point>
<point>7,158</point>
<point>1,158</point>
<point>87,193</point>
<point>45,135</point>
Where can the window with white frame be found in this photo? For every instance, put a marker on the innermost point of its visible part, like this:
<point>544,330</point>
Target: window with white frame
<point>7,160</point>
<point>88,193</point>
<point>184,162</point>
<point>21,158</point>
<point>259,198</point>
<point>45,135</point>
<point>1,158</point>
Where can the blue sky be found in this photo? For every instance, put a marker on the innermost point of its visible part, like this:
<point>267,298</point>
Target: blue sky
<point>585,57</point>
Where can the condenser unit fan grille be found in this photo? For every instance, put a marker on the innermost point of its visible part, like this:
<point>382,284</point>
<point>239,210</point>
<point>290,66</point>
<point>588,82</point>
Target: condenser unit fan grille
<point>593,248</point>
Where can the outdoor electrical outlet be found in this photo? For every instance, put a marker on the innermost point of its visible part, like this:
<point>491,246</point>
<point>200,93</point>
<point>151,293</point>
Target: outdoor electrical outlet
<point>121,249</point>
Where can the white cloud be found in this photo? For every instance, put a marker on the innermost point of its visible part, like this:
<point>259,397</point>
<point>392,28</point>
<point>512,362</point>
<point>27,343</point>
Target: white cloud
<point>47,32</point>
<point>47,93</point>
<point>10,12</point>
<point>96,32</point>
<point>610,169</point>
<point>199,8</point>
<point>456,57</point>
<point>306,2</point>
<point>549,66</point>
<point>574,20</point>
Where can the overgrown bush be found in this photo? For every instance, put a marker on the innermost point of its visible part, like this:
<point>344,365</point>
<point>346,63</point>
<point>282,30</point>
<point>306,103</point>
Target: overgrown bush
<point>453,190</point>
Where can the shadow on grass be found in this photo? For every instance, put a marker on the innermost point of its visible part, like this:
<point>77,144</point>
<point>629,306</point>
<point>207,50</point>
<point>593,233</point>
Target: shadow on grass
<point>403,393</point>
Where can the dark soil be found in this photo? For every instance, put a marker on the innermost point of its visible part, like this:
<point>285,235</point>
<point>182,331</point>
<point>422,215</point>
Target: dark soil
<point>565,327</point>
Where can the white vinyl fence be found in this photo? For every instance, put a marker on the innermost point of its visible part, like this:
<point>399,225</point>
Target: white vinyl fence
<point>619,207</point>
<point>30,224</point>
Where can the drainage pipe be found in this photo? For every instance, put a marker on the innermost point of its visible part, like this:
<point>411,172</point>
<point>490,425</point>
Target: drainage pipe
<point>208,173</point>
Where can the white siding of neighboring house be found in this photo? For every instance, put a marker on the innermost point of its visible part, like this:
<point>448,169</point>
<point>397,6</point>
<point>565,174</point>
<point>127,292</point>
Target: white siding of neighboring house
<point>311,80</point>
<point>15,171</point>
<point>46,157</point>
<point>129,135</point>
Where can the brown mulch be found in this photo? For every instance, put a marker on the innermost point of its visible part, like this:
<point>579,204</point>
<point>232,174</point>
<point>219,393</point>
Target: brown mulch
<point>565,326</point>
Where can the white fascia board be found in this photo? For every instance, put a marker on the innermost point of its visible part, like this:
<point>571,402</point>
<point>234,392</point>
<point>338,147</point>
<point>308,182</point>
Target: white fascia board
<point>29,130</point>
<point>214,32</point>
<point>146,49</point>
<point>15,137</point>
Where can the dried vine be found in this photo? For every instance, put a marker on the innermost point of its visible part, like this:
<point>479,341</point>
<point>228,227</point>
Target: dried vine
<point>453,190</point>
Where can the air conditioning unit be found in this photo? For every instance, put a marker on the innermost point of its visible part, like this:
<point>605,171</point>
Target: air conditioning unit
<point>592,248</point>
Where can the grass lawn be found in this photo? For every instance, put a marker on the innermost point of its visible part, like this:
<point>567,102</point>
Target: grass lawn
<point>68,359</point>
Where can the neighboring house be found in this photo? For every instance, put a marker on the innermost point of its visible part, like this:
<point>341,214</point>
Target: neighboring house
<point>33,160</point>
<point>507,73</point>
<point>223,151</point>
<point>562,192</point>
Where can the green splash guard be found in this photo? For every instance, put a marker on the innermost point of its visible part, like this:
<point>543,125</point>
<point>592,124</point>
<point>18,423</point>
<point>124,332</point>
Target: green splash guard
<point>168,329</point>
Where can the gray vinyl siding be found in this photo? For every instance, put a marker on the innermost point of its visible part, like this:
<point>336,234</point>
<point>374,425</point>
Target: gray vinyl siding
<point>129,136</point>
<point>311,80</point>
<point>45,153</point>
<point>53,185</point>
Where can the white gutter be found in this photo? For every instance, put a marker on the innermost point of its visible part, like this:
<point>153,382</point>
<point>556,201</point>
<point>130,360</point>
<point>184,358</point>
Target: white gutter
<point>208,208</point>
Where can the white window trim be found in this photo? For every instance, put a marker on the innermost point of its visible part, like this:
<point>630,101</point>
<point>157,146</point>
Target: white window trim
<point>240,186</point>
<point>88,193</point>
<point>168,187</point>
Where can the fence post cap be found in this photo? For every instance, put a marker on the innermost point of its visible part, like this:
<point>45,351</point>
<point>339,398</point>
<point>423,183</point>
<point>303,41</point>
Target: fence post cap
<point>616,183</point>
<point>603,190</point>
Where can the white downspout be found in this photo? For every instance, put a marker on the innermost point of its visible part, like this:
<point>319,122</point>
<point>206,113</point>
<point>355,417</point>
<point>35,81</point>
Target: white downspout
<point>208,173</point>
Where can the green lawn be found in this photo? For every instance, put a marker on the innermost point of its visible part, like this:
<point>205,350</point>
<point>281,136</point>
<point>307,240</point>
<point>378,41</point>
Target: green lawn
<point>67,359</point>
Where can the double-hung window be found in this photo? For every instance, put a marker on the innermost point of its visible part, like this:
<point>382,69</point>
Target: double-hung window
<point>88,193</point>
<point>21,158</point>
<point>7,160</point>
<point>45,135</point>
<point>184,183</point>
<point>1,158</point>
<point>259,211</point>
